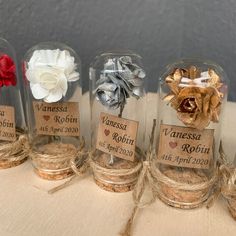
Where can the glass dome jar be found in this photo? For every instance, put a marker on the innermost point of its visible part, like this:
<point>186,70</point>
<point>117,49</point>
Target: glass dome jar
<point>53,93</point>
<point>192,96</point>
<point>118,103</point>
<point>13,141</point>
<point>228,181</point>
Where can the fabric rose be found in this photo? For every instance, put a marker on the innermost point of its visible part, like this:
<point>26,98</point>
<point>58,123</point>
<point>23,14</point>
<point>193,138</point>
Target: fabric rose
<point>196,100</point>
<point>119,80</point>
<point>7,71</point>
<point>49,72</point>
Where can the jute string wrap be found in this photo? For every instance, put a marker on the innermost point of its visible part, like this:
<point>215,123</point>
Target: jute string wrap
<point>117,172</point>
<point>151,177</point>
<point>228,182</point>
<point>185,186</point>
<point>16,151</point>
<point>114,172</point>
<point>80,164</point>
<point>145,180</point>
<point>62,158</point>
<point>121,179</point>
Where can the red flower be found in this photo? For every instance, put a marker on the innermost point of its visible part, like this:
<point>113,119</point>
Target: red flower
<point>7,71</point>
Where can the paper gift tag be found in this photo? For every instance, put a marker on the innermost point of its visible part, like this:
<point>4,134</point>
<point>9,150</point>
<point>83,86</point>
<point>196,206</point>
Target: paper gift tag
<point>185,147</point>
<point>117,136</point>
<point>7,123</point>
<point>60,119</point>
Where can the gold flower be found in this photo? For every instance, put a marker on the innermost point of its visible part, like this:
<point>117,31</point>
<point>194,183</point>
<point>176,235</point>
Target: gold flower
<point>196,105</point>
<point>174,79</point>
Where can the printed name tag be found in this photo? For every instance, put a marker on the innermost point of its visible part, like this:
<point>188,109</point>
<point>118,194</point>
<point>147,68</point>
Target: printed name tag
<point>117,136</point>
<point>60,119</point>
<point>7,123</point>
<point>185,147</point>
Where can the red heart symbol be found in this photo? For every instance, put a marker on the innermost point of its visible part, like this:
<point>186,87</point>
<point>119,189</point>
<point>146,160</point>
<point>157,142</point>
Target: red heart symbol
<point>173,144</point>
<point>46,117</point>
<point>106,132</point>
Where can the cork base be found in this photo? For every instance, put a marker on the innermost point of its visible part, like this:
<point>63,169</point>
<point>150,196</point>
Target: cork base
<point>62,174</point>
<point>183,205</point>
<point>117,188</point>
<point>52,161</point>
<point>184,199</point>
<point>119,177</point>
<point>5,164</point>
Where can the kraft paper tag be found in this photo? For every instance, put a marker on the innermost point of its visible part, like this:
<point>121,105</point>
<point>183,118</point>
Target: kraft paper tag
<point>7,123</point>
<point>61,119</point>
<point>185,147</point>
<point>117,136</point>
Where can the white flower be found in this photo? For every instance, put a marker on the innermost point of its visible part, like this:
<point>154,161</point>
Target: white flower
<point>49,72</point>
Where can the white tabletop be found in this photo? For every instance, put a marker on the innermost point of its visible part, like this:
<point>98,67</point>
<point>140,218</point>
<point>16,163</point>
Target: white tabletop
<point>26,209</point>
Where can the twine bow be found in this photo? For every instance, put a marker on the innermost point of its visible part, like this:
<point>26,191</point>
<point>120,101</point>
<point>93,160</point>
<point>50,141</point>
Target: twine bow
<point>80,165</point>
<point>229,178</point>
<point>146,179</point>
<point>227,183</point>
<point>228,172</point>
<point>151,177</point>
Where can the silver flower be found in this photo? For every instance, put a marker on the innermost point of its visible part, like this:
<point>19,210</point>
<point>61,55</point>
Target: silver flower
<point>111,95</point>
<point>119,80</point>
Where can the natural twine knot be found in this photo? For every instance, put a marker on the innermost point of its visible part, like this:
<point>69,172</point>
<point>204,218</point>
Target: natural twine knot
<point>151,177</point>
<point>24,141</point>
<point>80,165</point>
<point>146,164</point>
<point>145,179</point>
<point>226,184</point>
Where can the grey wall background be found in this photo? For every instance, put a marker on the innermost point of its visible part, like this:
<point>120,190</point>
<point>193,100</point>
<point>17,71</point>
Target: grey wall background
<point>160,30</point>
